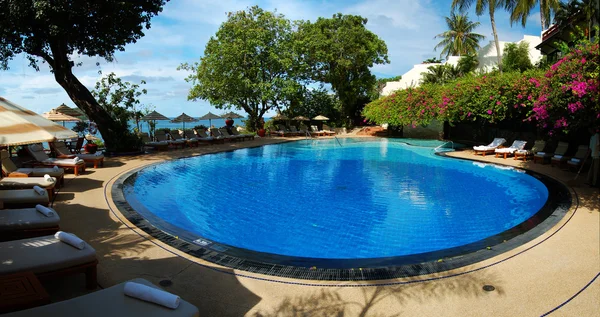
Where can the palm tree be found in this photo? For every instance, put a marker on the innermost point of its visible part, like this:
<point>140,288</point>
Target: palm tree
<point>480,6</point>
<point>520,9</point>
<point>590,10</point>
<point>566,11</point>
<point>459,39</point>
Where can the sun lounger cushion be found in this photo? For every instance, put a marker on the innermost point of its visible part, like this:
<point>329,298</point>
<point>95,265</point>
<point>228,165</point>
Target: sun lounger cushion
<point>41,254</point>
<point>26,218</point>
<point>23,196</point>
<point>26,182</point>
<point>492,146</point>
<point>517,145</point>
<point>109,302</point>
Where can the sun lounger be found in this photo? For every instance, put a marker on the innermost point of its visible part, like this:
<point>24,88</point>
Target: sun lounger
<point>328,130</point>
<point>26,223</point>
<point>48,257</point>
<point>516,146</point>
<point>110,301</point>
<point>41,158</point>
<point>226,134</point>
<point>190,135</point>
<point>244,136</point>
<point>161,136</point>
<point>545,155</point>
<point>524,154</point>
<point>175,135</point>
<point>212,139</point>
<point>21,198</point>
<point>558,157</point>
<point>9,169</point>
<point>159,146</point>
<point>582,152</point>
<point>61,151</point>
<point>490,148</point>
<point>217,133</point>
<point>29,182</point>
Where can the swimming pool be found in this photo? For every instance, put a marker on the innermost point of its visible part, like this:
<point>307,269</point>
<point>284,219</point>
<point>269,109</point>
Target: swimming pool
<point>364,200</point>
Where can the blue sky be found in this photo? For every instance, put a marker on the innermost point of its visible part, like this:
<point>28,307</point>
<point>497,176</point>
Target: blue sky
<point>181,31</point>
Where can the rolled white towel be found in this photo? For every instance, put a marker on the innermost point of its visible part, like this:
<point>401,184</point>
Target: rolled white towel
<point>70,239</point>
<point>78,159</point>
<point>40,191</point>
<point>75,160</point>
<point>541,153</point>
<point>44,210</point>
<point>55,168</point>
<point>558,156</point>
<point>151,294</point>
<point>48,178</point>
<point>575,160</point>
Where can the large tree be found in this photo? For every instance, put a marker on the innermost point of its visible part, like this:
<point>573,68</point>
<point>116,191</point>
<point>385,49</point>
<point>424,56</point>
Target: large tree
<point>520,10</point>
<point>480,7</point>
<point>340,51</point>
<point>460,39</point>
<point>53,31</point>
<point>249,64</point>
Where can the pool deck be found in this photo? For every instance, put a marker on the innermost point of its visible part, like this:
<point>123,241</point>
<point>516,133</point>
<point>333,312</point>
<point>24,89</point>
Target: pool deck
<point>531,280</point>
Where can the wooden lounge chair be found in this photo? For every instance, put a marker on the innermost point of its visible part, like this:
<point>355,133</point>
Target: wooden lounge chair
<point>226,134</point>
<point>25,223</point>
<point>47,257</point>
<point>178,137</point>
<point>538,146</point>
<point>29,183</point>
<point>211,139</point>
<point>110,301</point>
<point>546,155</point>
<point>328,130</point>
<point>244,136</point>
<point>159,146</point>
<point>516,146</point>
<point>190,135</point>
<point>22,198</point>
<point>575,162</point>
<point>216,133</point>
<point>61,151</point>
<point>9,169</point>
<point>490,148</point>
<point>41,158</point>
<point>161,136</point>
<point>558,157</point>
<point>76,146</point>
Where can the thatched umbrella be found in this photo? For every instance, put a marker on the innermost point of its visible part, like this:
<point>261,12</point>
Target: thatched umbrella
<point>153,116</point>
<point>320,118</point>
<point>22,126</point>
<point>73,112</point>
<point>53,115</point>
<point>280,116</point>
<point>231,115</point>
<point>184,118</point>
<point>301,118</point>
<point>209,116</point>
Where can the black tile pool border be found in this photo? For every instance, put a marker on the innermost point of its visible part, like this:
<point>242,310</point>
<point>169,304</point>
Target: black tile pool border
<point>556,207</point>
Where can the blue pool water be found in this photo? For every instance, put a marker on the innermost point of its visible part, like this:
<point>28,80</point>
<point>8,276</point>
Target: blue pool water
<point>365,199</point>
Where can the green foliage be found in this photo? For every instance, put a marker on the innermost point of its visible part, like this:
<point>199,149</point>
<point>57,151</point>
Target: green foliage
<point>516,57</point>
<point>80,127</point>
<point>316,102</point>
<point>380,84</point>
<point>441,74</point>
<point>340,51</point>
<point>467,64</point>
<point>520,10</point>
<point>52,31</point>
<point>433,60</point>
<point>119,99</point>
<point>459,39</point>
<point>560,100</point>
<point>249,64</point>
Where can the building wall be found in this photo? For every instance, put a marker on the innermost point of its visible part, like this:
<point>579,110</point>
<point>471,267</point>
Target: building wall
<point>487,57</point>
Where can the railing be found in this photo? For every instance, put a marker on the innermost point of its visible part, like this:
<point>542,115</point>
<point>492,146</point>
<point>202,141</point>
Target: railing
<point>442,145</point>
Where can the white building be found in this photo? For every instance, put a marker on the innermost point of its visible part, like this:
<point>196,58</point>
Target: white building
<point>487,61</point>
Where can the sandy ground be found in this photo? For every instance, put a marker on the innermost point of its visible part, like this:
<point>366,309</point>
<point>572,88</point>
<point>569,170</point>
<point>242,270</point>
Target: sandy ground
<point>544,274</point>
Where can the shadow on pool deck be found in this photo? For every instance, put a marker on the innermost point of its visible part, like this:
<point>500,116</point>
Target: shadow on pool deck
<point>375,300</point>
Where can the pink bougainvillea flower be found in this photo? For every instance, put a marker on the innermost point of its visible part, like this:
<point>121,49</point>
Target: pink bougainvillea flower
<point>489,111</point>
<point>583,60</point>
<point>498,103</point>
<point>491,97</point>
<point>519,96</point>
<point>468,114</point>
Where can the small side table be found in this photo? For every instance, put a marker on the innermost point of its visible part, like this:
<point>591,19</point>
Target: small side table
<point>21,291</point>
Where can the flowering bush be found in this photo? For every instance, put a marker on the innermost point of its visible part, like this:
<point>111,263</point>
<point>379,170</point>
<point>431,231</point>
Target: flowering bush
<point>561,99</point>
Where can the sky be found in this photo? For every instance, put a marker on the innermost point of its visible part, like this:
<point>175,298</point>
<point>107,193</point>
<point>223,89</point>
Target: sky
<point>180,33</point>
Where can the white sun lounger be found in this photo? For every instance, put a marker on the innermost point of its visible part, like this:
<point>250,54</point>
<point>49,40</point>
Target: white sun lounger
<point>11,170</point>
<point>37,152</point>
<point>26,223</point>
<point>516,146</point>
<point>110,301</point>
<point>490,148</point>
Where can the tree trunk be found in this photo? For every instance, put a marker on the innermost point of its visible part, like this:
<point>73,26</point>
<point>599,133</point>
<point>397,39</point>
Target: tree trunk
<point>493,21</point>
<point>543,17</point>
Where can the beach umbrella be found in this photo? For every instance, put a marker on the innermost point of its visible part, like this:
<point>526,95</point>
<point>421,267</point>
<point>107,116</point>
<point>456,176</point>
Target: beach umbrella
<point>22,126</point>
<point>184,118</point>
<point>52,115</point>
<point>301,118</point>
<point>280,116</point>
<point>153,116</point>
<point>320,118</point>
<point>231,115</point>
<point>209,116</point>
<point>73,112</point>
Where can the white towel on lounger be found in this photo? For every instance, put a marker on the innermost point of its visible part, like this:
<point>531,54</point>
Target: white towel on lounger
<point>70,239</point>
<point>558,156</point>
<point>44,210</point>
<point>151,294</point>
<point>541,153</point>
<point>575,160</point>
<point>40,191</point>
<point>48,178</point>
